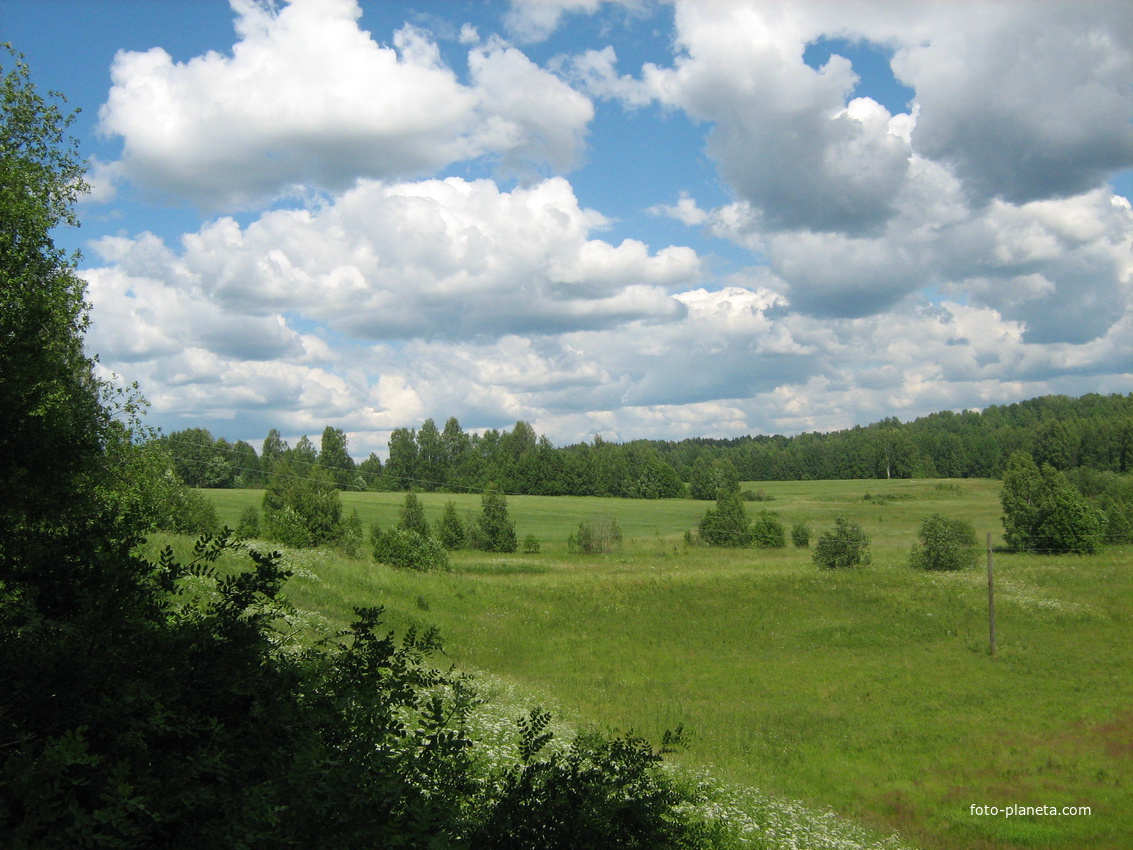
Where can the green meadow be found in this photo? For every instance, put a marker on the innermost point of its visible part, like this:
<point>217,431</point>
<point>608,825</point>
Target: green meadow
<point>870,692</point>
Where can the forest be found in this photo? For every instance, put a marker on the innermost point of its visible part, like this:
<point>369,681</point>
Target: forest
<point>1093,432</point>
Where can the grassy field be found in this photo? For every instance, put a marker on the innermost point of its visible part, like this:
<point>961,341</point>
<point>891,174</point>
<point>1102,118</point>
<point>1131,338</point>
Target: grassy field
<point>869,691</point>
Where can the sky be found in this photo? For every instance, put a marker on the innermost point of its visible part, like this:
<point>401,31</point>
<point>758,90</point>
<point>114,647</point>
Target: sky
<point>634,219</point>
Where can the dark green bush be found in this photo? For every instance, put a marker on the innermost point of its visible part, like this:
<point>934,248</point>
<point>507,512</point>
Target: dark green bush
<point>1044,512</point>
<point>493,530</point>
<point>800,535</point>
<point>767,531</point>
<point>945,544</point>
<point>727,524</point>
<point>450,529</point>
<point>409,550</point>
<point>846,545</point>
<point>249,525</point>
<point>599,793</point>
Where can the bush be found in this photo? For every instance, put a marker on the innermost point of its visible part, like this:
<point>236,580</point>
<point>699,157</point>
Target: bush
<point>145,491</point>
<point>846,545</point>
<point>450,529</point>
<point>301,506</point>
<point>727,524</point>
<point>598,535</point>
<point>598,793</point>
<point>412,515</point>
<point>800,535</point>
<point>767,531</point>
<point>531,544</point>
<point>409,550</point>
<point>350,536</point>
<point>493,530</point>
<point>1044,512</point>
<point>249,525</point>
<point>756,496</point>
<point>945,544</point>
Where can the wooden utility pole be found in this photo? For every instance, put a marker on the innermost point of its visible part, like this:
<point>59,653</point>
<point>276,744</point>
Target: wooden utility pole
<point>990,597</point>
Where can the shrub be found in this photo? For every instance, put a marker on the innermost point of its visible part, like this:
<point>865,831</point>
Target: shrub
<point>301,506</point>
<point>599,535</point>
<point>410,550</point>
<point>767,531</point>
<point>493,530</point>
<point>412,515</point>
<point>599,792</point>
<point>846,545</point>
<point>145,491</point>
<point>249,525</point>
<point>450,529</point>
<point>800,535</point>
<point>945,544</point>
<point>727,524</point>
<point>350,535</point>
<point>1044,512</point>
<point>531,544</point>
<point>756,496</point>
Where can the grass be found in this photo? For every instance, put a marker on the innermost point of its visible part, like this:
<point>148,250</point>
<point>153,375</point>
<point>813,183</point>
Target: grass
<point>870,692</point>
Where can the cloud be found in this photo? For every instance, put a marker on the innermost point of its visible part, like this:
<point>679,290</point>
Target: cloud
<point>433,260</point>
<point>307,98</point>
<point>531,21</point>
<point>533,116</point>
<point>1062,267</point>
<point>788,139</point>
<point>1025,101</point>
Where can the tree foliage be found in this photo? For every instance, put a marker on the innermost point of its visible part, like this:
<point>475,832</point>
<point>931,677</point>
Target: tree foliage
<point>1044,512</point>
<point>411,517</point>
<point>302,507</point>
<point>53,426</point>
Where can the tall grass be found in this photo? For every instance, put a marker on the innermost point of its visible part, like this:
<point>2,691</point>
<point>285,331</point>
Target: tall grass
<point>867,691</point>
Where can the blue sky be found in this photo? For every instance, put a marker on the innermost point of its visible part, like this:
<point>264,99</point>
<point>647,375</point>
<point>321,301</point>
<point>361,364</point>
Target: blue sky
<point>632,219</point>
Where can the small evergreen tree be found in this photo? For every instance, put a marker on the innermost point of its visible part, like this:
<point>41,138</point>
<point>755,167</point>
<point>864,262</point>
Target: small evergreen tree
<point>493,530</point>
<point>450,529</point>
<point>412,515</point>
<point>249,525</point>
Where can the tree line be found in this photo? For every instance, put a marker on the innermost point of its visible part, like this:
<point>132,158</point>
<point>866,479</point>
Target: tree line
<point>1092,432</point>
